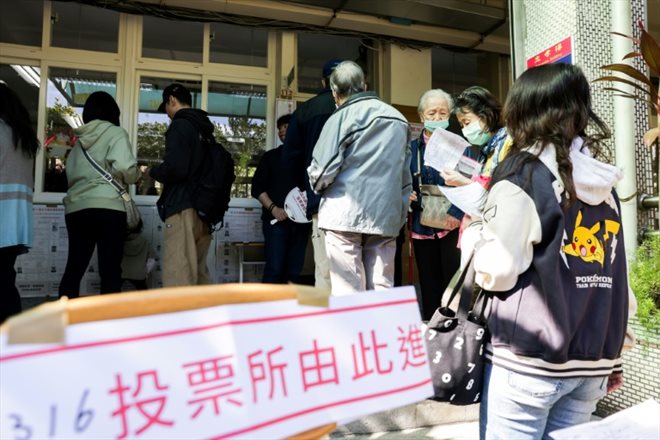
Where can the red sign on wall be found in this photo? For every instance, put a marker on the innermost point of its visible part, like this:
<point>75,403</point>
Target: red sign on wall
<point>561,52</point>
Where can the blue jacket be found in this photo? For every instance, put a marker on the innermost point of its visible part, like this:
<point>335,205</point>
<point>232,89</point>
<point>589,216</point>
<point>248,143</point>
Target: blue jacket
<point>429,176</point>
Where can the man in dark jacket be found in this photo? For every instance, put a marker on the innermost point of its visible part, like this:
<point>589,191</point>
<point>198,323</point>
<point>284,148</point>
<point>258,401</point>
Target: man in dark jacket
<point>285,240</point>
<point>304,130</point>
<point>186,238</point>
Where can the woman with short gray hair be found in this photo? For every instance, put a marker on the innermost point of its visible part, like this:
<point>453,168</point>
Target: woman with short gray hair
<point>436,253</point>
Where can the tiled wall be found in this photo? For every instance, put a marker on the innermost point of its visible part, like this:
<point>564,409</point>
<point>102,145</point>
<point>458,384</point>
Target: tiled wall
<point>589,22</point>
<point>641,373</point>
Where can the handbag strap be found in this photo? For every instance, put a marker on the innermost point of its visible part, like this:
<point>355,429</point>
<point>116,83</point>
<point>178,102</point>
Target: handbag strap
<point>106,176</point>
<point>419,169</point>
<point>461,283</point>
<point>480,305</point>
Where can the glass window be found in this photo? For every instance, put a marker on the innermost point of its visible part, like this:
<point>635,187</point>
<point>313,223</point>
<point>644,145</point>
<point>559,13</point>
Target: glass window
<point>455,71</point>
<point>152,126</point>
<point>67,92</point>
<point>314,50</point>
<point>24,81</point>
<point>239,114</point>
<point>242,45</point>
<point>172,40</point>
<point>21,22</point>
<point>78,26</point>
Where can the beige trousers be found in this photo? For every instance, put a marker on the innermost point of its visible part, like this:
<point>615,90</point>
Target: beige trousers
<point>360,262</point>
<point>321,264</point>
<point>186,241</point>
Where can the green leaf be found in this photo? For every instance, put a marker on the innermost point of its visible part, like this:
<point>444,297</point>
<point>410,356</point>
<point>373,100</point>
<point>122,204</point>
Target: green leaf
<point>624,81</point>
<point>630,71</point>
<point>650,52</point>
<point>645,283</point>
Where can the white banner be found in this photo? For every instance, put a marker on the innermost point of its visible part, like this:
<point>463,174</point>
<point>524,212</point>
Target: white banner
<point>254,370</point>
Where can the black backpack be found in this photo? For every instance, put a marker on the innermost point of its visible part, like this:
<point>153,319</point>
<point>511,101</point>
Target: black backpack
<point>212,189</point>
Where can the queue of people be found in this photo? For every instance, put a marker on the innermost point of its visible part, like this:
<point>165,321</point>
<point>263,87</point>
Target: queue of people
<point>550,221</point>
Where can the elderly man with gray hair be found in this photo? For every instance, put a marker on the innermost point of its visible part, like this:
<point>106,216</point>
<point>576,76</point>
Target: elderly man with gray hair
<point>361,168</point>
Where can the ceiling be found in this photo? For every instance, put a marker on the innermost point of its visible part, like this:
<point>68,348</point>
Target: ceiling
<point>463,24</point>
<point>466,15</point>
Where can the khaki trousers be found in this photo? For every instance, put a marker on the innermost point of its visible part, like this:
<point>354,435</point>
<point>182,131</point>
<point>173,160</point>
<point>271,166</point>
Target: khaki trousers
<point>321,264</point>
<point>360,262</point>
<point>186,241</point>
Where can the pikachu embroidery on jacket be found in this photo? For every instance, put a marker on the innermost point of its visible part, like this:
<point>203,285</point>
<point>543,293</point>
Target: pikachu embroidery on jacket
<point>586,244</point>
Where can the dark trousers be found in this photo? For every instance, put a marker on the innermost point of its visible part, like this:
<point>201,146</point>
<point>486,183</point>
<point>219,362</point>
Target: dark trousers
<point>104,229</point>
<point>138,284</point>
<point>10,299</point>
<point>437,262</point>
<point>285,244</point>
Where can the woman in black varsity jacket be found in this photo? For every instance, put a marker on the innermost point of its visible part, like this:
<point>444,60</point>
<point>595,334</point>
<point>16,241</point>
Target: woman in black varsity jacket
<point>550,249</point>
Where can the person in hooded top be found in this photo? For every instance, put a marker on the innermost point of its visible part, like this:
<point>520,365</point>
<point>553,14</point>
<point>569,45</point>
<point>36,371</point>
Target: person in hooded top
<point>94,211</point>
<point>550,250</point>
<point>186,238</point>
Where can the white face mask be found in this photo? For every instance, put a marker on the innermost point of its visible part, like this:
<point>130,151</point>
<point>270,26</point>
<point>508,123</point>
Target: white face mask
<point>475,134</point>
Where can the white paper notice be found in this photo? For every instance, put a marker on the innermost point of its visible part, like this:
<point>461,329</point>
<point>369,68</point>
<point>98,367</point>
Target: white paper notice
<point>639,422</point>
<point>468,198</point>
<point>257,370</point>
<point>444,150</point>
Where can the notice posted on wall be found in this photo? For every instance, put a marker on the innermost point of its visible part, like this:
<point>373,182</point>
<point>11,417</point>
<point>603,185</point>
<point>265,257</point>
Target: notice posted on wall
<point>40,270</point>
<point>254,370</point>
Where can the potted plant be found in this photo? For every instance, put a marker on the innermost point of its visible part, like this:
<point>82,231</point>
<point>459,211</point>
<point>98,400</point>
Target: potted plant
<point>648,50</point>
<point>645,282</point>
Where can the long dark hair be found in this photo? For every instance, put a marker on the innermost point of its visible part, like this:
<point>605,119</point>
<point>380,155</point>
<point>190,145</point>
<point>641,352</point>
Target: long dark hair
<point>551,104</point>
<point>482,103</point>
<point>16,116</point>
<point>101,105</point>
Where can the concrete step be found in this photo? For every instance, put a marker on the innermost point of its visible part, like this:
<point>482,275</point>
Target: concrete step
<point>453,431</point>
<point>421,414</point>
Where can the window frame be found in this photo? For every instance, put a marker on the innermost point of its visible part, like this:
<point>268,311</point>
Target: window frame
<point>129,66</point>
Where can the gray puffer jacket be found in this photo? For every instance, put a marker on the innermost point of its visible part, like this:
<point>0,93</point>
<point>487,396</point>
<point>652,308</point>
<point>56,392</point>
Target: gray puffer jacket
<point>361,168</point>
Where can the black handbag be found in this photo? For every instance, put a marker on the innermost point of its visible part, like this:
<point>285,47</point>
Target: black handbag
<point>456,341</point>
